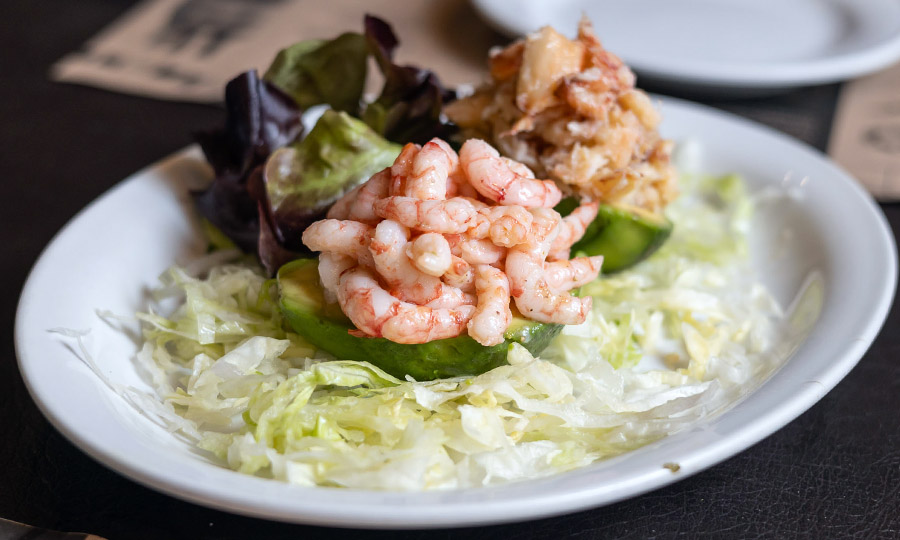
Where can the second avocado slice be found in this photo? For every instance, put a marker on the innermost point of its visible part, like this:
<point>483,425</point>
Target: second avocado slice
<point>624,236</point>
<point>303,305</point>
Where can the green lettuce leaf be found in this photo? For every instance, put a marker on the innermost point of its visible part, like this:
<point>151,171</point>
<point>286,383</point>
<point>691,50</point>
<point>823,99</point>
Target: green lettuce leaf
<point>314,72</point>
<point>265,192</point>
<point>304,179</point>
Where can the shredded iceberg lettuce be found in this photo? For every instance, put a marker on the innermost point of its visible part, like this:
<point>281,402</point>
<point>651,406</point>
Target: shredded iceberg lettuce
<point>670,341</point>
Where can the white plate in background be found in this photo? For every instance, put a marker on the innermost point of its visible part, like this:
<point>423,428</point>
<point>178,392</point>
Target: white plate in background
<point>742,46</point>
<point>116,247</point>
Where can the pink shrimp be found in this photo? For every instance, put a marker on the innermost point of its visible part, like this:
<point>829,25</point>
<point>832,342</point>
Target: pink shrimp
<point>460,275</point>
<point>566,275</point>
<point>405,281</point>
<point>458,185</point>
<point>518,167</point>
<point>492,314</point>
<point>510,225</point>
<point>476,203</point>
<point>363,206</point>
<point>341,208</point>
<point>505,225</point>
<point>431,169</point>
<point>430,253</point>
<point>331,266</point>
<point>480,226</point>
<point>402,168</point>
<point>340,236</point>
<point>494,179</point>
<point>528,286</point>
<point>447,217</point>
<point>378,314</point>
<point>475,250</point>
<point>571,229</point>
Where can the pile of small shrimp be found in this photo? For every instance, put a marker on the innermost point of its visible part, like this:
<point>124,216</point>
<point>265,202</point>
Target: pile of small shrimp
<point>438,243</point>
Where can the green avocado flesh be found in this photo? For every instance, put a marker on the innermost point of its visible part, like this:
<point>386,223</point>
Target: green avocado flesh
<point>624,237</point>
<point>325,327</point>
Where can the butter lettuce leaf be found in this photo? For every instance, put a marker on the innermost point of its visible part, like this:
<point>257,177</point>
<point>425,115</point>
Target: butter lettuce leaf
<point>304,179</point>
<point>314,72</point>
<point>269,187</point>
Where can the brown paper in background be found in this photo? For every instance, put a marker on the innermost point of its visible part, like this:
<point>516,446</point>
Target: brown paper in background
<point>188,49</point>
<point>865,136</point>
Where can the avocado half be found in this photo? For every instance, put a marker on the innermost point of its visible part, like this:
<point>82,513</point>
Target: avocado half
<point>624,236</point>
<point>325,326</point>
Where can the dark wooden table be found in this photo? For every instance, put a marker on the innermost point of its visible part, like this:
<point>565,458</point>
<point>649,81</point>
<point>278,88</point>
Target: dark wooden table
<point>832,473</point>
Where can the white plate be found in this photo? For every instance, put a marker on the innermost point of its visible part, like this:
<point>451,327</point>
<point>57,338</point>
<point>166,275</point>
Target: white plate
<point>118,245</point>
<point>741,45</point>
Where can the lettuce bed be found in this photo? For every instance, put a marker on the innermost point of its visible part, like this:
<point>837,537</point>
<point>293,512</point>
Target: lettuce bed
<point>669,341</point>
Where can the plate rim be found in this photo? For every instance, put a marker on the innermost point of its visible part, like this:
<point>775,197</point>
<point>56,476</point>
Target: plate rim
<point>487,505</point>
<point>741,75</point>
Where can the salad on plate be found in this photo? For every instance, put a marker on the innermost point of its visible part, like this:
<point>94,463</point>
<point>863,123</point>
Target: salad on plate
<point>431,291</point>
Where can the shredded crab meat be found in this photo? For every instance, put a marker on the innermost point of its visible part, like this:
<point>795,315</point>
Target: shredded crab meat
<point>419,252</point>
<point>569,110</point>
